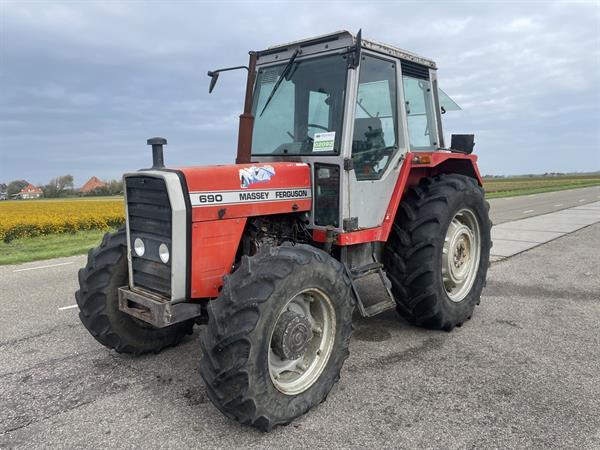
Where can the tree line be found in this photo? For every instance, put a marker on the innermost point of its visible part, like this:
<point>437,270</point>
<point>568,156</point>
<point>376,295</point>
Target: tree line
<point>63,186</point>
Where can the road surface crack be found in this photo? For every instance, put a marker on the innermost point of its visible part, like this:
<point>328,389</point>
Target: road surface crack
<point>36,335</point>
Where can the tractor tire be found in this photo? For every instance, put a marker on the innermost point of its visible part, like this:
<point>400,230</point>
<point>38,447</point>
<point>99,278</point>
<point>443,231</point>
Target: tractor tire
<point>98,302</point>
<point>437,254</point>
<point>277,336</point>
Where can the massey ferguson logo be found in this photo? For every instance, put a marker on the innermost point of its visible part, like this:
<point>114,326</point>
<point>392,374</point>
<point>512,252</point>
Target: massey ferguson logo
<point>254,174</point>
<point>258,196</point>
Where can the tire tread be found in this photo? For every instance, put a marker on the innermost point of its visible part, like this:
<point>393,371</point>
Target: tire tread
<point>414,238</point>
<point>97,287</point>
<point>224,367</point>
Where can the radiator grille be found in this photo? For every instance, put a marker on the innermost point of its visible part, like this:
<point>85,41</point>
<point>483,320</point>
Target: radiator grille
<point>150,216</point>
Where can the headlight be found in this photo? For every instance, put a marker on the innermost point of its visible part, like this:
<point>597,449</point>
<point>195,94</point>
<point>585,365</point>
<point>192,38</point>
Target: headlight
<point>163,252</point>
<point>139,247</point>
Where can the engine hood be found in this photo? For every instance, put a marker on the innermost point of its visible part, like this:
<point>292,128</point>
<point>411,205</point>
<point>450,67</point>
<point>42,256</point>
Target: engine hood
<point>245,190</point>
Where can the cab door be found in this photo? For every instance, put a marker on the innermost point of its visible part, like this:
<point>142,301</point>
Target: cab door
<point>378,142</point>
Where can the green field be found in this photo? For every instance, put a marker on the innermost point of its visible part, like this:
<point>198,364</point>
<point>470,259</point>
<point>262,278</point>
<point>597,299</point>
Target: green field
<point>67,244</point>
<point>508,187</point>
<point>47,247</point>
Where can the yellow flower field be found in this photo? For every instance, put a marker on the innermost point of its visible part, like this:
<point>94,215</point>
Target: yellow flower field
<point>28,218</point>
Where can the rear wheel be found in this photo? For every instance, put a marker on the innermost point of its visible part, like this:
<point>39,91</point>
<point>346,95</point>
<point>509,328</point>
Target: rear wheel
<point>277,336</point>
<point>438,251</point>
<point>98,302</point>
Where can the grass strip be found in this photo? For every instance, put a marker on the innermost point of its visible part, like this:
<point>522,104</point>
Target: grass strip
<point>536,190</point>
<point>47,247</point>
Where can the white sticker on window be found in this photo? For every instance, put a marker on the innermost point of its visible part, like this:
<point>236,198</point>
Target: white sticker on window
<point>324,142</point>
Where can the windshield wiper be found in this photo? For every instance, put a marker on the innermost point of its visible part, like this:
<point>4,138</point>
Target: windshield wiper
<point>284,74</point>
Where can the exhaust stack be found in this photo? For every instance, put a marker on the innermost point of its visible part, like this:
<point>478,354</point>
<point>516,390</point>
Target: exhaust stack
<point>158,161</point>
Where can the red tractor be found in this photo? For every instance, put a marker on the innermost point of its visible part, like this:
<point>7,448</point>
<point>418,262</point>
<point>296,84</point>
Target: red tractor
<point>341,173</point>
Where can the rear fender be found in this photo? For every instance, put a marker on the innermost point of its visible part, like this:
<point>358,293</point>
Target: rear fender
<point>463,166</point>
<point>422,165</point>
<point>416,166</point>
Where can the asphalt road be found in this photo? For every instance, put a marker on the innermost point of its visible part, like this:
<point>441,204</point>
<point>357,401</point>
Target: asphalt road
<point>524,372</point>
<point>514,208</point>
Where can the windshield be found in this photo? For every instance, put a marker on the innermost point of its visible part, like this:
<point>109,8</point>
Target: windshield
<point>304,115</point>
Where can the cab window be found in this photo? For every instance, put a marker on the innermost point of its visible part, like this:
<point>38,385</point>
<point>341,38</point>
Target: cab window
<point>375,137</point>
<point>419,114</point>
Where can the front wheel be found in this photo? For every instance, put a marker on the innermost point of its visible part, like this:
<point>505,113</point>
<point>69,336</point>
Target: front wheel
<point>278,335</point>
<point>437,255</point>
<point>97,298</point>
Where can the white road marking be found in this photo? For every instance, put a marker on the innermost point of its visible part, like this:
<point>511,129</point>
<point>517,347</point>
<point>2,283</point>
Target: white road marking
<point>528,211</point>
<point>558,204</point>
<point>582,200</point>
<point>43,267</point>
<point>62,308</point>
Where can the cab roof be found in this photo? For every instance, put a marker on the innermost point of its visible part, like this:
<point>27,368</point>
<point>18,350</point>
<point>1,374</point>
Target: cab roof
<point>337,40</point>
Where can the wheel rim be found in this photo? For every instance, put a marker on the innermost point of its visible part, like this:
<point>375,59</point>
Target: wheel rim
<point>292,376</point>
<point>461,254</point>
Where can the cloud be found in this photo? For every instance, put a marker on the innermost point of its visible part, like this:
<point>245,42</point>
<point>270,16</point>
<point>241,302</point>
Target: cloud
<point>85,83</point>
<point>522,23</point>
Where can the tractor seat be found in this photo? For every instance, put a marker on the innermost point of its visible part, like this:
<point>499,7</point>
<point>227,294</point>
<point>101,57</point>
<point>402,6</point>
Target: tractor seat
<point>367,134</point>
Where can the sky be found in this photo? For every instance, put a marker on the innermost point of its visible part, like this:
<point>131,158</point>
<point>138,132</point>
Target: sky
<point>84,84</point>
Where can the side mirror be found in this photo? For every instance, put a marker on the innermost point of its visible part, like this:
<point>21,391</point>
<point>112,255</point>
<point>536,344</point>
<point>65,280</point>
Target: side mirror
<point>462,143</point>
<point>214,76</point>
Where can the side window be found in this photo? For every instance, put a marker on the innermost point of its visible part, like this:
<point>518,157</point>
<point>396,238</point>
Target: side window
<point>419,114</point>
<point>375,138</point>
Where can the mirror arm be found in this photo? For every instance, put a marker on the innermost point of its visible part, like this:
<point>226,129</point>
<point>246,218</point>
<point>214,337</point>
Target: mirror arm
<point>211,72</point>
<point>214,75</point>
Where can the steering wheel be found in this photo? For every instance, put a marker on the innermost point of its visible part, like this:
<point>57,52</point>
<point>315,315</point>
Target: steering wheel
<point>311,125</point>
<point>315,125</point>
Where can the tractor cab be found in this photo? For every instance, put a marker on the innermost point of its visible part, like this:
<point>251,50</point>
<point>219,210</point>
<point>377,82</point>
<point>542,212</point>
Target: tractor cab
<point>351,108</point>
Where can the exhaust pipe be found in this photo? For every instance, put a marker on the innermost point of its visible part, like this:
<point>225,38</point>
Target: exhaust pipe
<point>158,161</point>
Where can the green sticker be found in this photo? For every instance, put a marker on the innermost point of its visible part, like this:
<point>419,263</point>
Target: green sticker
<point>324,142</point>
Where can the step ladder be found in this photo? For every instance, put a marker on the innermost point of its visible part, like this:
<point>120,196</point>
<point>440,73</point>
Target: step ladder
<point>373,308</point>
